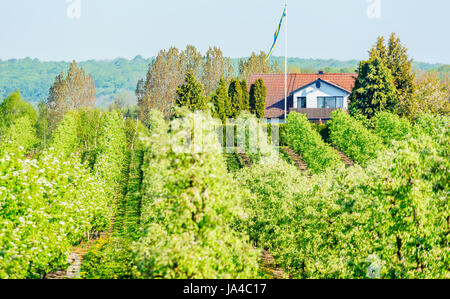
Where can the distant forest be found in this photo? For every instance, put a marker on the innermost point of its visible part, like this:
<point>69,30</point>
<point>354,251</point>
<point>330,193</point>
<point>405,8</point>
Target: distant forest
<point>119,76</point>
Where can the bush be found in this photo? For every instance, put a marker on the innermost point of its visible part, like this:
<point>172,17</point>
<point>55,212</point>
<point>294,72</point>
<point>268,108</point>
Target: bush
<point>309,144</point>
<point>353,138</point>
<point>391,127</point>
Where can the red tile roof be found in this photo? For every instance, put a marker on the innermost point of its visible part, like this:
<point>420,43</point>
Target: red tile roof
<point>275,87</point>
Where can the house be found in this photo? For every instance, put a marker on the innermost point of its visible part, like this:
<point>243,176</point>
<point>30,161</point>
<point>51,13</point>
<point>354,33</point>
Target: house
<point>315,95</point>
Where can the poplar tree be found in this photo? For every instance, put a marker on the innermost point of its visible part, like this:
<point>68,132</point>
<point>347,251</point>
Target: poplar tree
<point>215,67</point>
<point>258,93</point>
<point>159,90</point>
<point>69,92</point>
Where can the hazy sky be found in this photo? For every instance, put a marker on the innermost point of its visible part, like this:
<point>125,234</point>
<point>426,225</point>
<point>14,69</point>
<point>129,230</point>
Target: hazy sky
<point>108,29</point>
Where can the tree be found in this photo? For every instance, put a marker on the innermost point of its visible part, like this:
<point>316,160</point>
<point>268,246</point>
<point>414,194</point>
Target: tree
<point>191,94</point>
<point>20,136</point>
<point>14,107</point>
<point>70,92</point>
<point>236,96</point>
<point>159,90</point>
<point>258,93</point>
<point>245,96</point>
<point>374,89</point>
<point>216,67</point>
<point>432,96</point>
<point>193,61</point>
<point>221,101</point>
<point>256,64</point>
<point>395,56</point>
<point>42,129</point>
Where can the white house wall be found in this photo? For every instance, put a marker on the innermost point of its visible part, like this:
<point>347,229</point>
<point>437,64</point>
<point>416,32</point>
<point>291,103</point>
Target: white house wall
<point>311,93</point>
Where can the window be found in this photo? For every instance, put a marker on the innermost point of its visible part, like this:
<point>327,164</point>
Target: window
<point>330,102</point>
<point>301,102</point>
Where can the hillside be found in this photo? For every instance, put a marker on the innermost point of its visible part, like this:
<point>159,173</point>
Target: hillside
<point>33,77</point>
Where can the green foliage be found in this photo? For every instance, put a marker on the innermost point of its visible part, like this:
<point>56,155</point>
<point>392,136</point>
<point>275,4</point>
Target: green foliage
<point>108,259</point>
<point>190,205</point>
<point>258,93</point>
<point>221,101</point>
<point>374,89</point>
<point>391,127</point>
<point>191,94</point>
<point>302,138</point>
<point>353,139</point>
<point>48,205</point>
<point>237,98</point>
<point>20,137</point>
<point>396,59</point>
<point>111,149</point>
<point>388,220</point>
<point>323,130</point>
<point>233,162</point>
<point>14,107</point>
<point>64,137</point>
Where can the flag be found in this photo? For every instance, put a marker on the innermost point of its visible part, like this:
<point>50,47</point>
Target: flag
<point>276,34</point>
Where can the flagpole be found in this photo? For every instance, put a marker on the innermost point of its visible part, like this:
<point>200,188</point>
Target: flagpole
<point>285,65</point>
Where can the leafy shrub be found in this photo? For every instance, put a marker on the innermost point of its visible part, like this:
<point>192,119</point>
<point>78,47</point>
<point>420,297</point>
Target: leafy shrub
<point>189,209</point>
<point>111,150</point>
<point>20,136</point>
<point>309,144</point>
<point>323,130</point>
<point>391,127</point>
<point>353,138</point>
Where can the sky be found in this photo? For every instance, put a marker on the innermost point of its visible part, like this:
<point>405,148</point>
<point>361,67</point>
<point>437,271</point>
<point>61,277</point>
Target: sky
<point>107,29</point>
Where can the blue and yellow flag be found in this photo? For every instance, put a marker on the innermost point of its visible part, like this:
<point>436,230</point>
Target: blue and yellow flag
<point>276,34</point>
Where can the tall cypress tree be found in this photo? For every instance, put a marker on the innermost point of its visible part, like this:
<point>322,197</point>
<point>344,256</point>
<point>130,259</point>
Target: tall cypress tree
<point>236,96</point>
<point>258,93</point>
<point>191,94</point>
<point>220,101</point>
<point>245,96</point>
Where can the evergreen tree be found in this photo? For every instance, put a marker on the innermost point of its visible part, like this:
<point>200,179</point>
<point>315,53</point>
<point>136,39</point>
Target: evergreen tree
<point>258,93</point>
<point>374,89</point>
<point>191,94</point>
<point>395,57</point>
<point>236,97</point>
<point>220,101</point>
<point>245,96</point>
